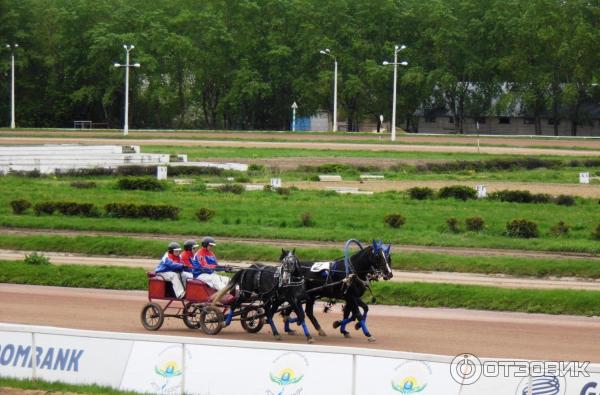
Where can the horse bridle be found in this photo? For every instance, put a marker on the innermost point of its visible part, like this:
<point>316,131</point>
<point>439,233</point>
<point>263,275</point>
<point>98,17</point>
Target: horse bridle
<point>289,264</point>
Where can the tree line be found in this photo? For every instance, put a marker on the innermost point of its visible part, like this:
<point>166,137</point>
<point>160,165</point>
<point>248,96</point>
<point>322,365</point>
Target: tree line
<point>240,64</point>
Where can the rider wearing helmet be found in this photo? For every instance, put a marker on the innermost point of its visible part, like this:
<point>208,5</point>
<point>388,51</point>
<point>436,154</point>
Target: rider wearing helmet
<point>208,265</point>
<point>171,269</point>
<point>190,247</point>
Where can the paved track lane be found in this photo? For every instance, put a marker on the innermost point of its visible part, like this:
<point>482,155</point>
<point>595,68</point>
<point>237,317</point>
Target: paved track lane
<point>436,331</point>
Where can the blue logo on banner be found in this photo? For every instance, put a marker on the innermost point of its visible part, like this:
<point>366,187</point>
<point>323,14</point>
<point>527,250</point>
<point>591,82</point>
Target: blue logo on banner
<point>589,386</point>
<point>46,358</point>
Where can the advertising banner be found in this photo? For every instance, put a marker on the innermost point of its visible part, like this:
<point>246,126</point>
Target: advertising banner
<point>233,370</point>
<point>154,368</point>
<point>15,354</point>
<point>379,375</point>
<point>79,360</point>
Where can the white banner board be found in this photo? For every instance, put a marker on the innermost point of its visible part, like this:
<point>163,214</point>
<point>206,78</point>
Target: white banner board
<point>584,178</point>
<point>232,370</point>
<point>80,360</point>
<point>15,355</point>
<point>377,375</point>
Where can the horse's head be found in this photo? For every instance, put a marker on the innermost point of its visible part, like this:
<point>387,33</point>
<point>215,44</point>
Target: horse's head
<point>290,265</point>
<point>382,259</point>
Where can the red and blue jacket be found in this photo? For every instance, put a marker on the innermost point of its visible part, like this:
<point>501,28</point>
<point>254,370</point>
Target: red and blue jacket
<point>207,262</point>
<point>169,263</point>
<point>191,264</point>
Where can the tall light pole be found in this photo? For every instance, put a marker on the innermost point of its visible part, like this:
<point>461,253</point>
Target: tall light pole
<point>385,63</point>
<point>327,52</point>
<point>12,48</point>
<point>127,65</point>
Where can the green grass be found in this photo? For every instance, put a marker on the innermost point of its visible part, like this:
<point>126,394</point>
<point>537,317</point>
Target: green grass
<point>408,294</point>
<point>335,217</point>
<point>127,246</point>
<point>52,387</point>
<point>586,303</point>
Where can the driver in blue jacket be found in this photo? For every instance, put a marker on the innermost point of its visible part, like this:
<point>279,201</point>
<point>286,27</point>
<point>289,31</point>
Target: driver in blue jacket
<point>172,269</point>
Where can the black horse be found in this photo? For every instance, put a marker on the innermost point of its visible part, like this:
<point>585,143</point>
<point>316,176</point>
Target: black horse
<point>273,286</point>
<point>333,280</point>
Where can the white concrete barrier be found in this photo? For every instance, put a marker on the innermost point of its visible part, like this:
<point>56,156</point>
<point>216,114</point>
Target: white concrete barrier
<point>176,365</point>
<point>330,178</point>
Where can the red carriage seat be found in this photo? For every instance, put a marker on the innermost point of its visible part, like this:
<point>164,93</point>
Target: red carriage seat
<point>158,288</point>
<point>198,291</point>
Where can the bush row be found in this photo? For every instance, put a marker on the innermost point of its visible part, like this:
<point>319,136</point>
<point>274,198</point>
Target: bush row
<point>463,192</point>
<point>500,164</point>
<point>520,227</point>
<point>128,171</point>
<point>119,210</point>
<point>141,183</point>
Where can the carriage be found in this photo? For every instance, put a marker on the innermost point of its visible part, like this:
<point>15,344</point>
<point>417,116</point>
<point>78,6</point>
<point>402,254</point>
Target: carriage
<point>196,309</point>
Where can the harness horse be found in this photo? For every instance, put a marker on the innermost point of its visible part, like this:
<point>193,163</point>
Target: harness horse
<point>348,279</point>
<point>273,286</point>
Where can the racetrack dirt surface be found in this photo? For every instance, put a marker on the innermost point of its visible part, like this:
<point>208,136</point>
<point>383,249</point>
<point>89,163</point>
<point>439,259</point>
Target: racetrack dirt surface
<point>436,277</point>
<point>524,141</point>
<point>433,331</point>
<point>304,145</point>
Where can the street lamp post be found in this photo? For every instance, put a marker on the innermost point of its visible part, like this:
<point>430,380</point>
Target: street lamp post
<point>385,63</point>
<point>12,47</point>
<point>127,65</point>
<point>327,52</point>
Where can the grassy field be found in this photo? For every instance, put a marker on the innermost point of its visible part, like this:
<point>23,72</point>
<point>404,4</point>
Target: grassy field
<point>333,217</point>
<point>126,246</point>
<point>58,387</point>
<point>585,303</point>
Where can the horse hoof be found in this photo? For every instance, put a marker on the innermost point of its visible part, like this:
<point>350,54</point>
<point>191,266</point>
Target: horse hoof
<point>371,339</point>
<point>277,337</point>
<point>347,335</point>
<point>336,324</point>
<point>322,332</point>
<point>357,326</point>
<point>310,340</point>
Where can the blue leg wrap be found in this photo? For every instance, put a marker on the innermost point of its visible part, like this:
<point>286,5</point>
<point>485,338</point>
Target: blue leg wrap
<point>305,328</point>
<point>229,317</point>
<point>288,322</point>
<point>273,327</point>
<point>343,325</point>
<point>365,330</point>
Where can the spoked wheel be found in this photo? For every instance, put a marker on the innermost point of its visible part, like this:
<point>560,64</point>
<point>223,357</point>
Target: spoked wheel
<point>191,315</point>
<point>152,316</point>
<point>253,319</point>
<point>211,320</point>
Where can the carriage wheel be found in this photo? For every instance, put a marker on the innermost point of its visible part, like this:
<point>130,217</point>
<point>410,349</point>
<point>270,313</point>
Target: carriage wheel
<point>191,315</point>
<point>211,320</point>
<point>152,316</point>
<point>253,319</point>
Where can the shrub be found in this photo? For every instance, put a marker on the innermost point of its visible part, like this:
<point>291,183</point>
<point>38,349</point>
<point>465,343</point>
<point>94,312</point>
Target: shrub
<point>238,189</point>
<point>596,233</point>
<point>419,193</point>
<point>141,183</point>
<point>284,191</point>
<point>20,206</point>
<point>512,196</point>
<point>204,214</point>
<point>44,208</point>
<point>256,168</point>
<point>453,225</point>
<point>83,184</point>
<point>522,228</point>
<point>461,192</point>
<point>394,220</point>
<point>126,210</point>
<point>560,229</point>
<point>242,178</point>
<point>565,200</point>
<point>474,224</point>
<point>541,198</point>
<point>37,259</point>
<point>306,219</point>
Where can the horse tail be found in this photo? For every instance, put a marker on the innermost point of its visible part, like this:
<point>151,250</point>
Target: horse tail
<point>232,282</point>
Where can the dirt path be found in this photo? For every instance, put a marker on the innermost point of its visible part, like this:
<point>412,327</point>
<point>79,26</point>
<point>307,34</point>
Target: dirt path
<point>435,331</point>
<point>287,243</point>
<point>305,145</point>
<point>588,190</point>
<point>524,141</point>
<point>493,280</point>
